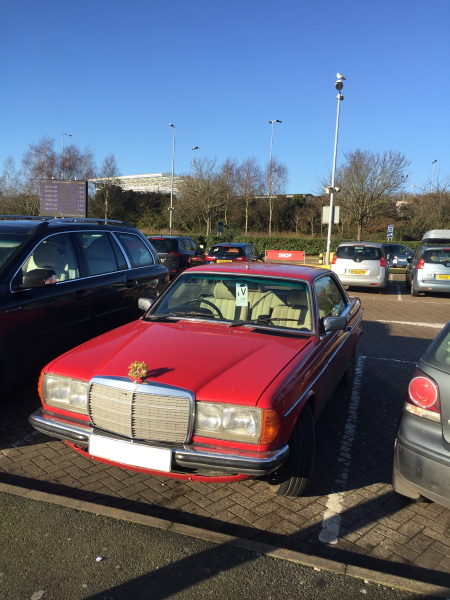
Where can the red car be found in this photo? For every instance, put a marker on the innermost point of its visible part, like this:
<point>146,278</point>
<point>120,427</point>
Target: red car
<point>221,380</point>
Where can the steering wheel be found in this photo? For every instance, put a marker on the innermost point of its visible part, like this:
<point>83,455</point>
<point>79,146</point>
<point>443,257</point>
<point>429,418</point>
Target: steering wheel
<point>198,301</point>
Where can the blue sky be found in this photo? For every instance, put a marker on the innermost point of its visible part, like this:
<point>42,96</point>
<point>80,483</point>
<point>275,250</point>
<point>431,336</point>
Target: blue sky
<point>115,73</point>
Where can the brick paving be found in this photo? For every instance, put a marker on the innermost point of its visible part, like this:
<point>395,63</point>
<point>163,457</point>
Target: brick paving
<point>379,530</point>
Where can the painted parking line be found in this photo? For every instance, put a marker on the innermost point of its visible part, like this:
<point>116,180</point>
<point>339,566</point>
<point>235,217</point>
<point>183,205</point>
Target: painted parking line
<point>331,523</point>
<point>413,323</point>
<point>399,293</point>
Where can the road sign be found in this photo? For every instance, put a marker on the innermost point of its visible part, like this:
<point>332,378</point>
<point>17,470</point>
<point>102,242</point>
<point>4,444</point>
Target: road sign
<point>326,214</point>
<point>390,232</point>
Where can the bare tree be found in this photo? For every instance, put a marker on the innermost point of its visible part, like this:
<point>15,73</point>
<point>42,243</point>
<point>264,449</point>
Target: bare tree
<point>276,177</point>
<point>249,183</point>
<point>202,196</point>
<point>366,180</point>
<point>228,173</point>
<point>39,162</point>
<point>76,164</point>
<point>106,183</point>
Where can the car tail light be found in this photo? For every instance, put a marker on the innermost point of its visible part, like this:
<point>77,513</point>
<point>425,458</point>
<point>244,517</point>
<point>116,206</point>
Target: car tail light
<point>421,263</point>
<point>241,258</point>
<point>382,262</point>
<point>422,399</point>
<point>209,258</point>
<point>334,259</point>
<point>175,254</point>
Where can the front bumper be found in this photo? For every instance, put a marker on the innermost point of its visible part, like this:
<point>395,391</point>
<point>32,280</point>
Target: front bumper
<point>421,470</point>
<point>193,456</point>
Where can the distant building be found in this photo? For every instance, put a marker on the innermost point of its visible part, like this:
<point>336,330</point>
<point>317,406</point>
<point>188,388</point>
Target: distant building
<point>151,182</point>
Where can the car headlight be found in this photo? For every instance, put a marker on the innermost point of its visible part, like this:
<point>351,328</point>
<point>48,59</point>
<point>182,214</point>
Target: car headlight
<point>65,392</point>
<point>228,422</point>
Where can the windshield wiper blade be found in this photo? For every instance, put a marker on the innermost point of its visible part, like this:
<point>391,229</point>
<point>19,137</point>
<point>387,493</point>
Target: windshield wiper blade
<point>259,321</point>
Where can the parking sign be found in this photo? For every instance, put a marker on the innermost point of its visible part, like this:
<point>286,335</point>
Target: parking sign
<point>390,232</point>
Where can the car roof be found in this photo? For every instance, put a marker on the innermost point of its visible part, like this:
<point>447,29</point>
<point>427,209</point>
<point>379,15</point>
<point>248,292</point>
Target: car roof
<point>303,272</point>
<point>39,225</point>
<point>168,237</point>
<point>372,244</point>
<point>233,244</point>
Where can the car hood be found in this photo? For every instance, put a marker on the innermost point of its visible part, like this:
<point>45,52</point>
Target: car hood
<point>217,363</point>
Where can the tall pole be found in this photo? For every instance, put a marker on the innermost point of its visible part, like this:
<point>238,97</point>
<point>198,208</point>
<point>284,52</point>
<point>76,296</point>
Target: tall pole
<point>269,182</point>
<point>62,154</point>
<point>339,85</point>
<point>173,166</point>
<point>192,161</point>
<point>432,177</point>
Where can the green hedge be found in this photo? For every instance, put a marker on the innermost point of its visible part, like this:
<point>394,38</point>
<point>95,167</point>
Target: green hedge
<point>311,246</point>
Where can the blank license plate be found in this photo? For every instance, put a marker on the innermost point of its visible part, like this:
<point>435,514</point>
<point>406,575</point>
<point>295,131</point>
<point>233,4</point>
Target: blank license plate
<point>223,261</point>
<point>357,272</point>
<point>443,276</point>
<point>127,453</point>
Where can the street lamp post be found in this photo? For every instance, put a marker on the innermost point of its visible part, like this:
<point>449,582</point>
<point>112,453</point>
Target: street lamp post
<point>270,178</point>
<point>62,154</point>
<point>192,161</point>
<point>171,190</point>
<point>338,85</point>
<point>432,177</point>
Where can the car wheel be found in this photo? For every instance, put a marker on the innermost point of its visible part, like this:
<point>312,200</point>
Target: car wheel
<point>383,290</point>
<point>349,374</point>
<point>414,292</point>
<point>292,478</point>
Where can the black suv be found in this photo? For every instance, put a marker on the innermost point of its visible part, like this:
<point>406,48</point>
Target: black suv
<point>177,253</point>
<point>64,281</point>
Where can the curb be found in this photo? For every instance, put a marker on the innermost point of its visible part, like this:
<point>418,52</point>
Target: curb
<point>306,560</point>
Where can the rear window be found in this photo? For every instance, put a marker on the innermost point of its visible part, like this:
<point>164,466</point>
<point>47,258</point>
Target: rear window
<point>226,251</point>
<point>163,246</point>
<point>438,353</point>
<point>361,252</point>
<point>437,256</point>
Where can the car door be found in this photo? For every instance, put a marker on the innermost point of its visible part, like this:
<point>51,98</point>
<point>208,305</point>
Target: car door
<point>54,318</point>
<point>331,300</point>
<point>145,277</point>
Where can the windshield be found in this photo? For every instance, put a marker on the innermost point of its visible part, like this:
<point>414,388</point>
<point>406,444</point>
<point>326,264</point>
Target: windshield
<point>226,251</point>
<point>9,244</point>
<point>163,246</point>
<point>238,299</point>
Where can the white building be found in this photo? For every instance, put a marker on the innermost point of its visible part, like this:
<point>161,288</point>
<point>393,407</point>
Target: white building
<point>151,182</point>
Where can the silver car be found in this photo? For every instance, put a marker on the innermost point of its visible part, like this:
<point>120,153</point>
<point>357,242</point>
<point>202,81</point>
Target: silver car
<point>361,264</point>
<point>429,270</point>
<point>422,447</point>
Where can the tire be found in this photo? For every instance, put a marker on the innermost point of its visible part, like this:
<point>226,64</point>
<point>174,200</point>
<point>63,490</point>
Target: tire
<point>414,292</point>
<point>292,478</point>
<point>349,374</point>
<point>383,290</point>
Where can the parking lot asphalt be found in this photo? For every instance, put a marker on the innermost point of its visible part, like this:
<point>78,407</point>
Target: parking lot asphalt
<point>350,520</point>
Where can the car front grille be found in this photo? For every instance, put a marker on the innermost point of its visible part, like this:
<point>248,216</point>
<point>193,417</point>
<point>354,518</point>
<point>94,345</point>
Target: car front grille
<point>144,416</point>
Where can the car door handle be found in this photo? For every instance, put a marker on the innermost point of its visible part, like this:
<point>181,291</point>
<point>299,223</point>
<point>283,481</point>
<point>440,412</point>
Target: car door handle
<point>79,294</point>
<point>131,283</point>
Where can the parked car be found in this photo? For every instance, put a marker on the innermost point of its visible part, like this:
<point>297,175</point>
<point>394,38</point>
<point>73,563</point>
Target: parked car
<point>429,270</point>
<point>361,264</point>
<point>222,379</point>
<point>422,448</point>
<point>397,255</point>
<point>227,252</point>
<point>177,253</point>
<point>63,281</point>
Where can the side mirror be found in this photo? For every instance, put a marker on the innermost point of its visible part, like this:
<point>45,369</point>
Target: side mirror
<point>334,323</point>
<point>146,303</point>
<point>37,278</point>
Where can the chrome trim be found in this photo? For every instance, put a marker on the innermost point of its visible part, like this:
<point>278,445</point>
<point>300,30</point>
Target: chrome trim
<point>150,387</point>
<point>60,429</point>
<point>122,249</point>
<point>347,331</point>
<point>218,458</point>
<point>245,462</point>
